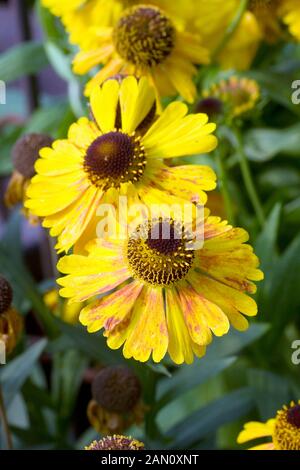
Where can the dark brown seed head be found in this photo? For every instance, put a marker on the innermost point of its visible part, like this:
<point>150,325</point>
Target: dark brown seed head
<point>116,389</point>
<point>26,151</point>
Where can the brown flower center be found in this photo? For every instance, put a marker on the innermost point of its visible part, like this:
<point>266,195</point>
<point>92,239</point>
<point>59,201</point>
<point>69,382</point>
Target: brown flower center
<point>115,158</point>
<point>287,428</point>
<point>144,36</point>
<point>159,253</point>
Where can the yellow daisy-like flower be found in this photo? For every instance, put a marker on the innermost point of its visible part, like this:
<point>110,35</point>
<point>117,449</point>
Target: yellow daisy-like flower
<point>163,294</point>
<point>284,430</point>
<point>120,152</point>
<point>145,42</point>
<point>239,95</point>
<point>82,17</point>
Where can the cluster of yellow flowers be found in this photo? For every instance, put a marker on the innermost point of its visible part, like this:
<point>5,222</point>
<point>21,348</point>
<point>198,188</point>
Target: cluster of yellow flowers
<point>150,294</point>
<point>114,33</point>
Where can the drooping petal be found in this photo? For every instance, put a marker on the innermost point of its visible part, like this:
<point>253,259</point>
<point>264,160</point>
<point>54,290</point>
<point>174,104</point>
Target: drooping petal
<point>147,333</point>
<point>73,220</point>
<point>193,313</point>
<point>110,311</point>
<point>81,288</point>
<point>180,343</point>
<point>189,181</point>
<point>224,296</point>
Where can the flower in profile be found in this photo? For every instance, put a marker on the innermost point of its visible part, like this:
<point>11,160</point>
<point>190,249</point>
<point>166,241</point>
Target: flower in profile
<point>116,442</point>
<point>160,292</point>
<point>119,152</point>
<point>145,41</point>
<point>24,155</point>
<point>11,323</point>
<point>116,402</point>
<point>283,430</point>
<point>69,313</point>
<point>238,95</point>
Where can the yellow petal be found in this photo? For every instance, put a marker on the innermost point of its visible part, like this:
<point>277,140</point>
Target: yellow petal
<point>223,295</point>
<point>109,311</point>
<point>86,60</point>
<point>81,288</point>
<point>109,70</point>
<point>182,135</point>
<point>188,181</point>
<point>194,315</point>
<point>83,132</point>
<point>136,100</point>
<point>104,102</point>
<point>169,119</point>
<point>180,342</point>
<point>147,333</point>
<point>255,430</point>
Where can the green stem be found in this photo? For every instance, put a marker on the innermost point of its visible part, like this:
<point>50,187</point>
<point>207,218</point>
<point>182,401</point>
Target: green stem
<point>223,180</point>
<point>231,29</point>
<point>248,180</point>
<point>4,420</point>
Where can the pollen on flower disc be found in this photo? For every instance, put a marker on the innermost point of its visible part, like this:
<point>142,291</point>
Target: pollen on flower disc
<point>144,36</point>
<point>114,158</point>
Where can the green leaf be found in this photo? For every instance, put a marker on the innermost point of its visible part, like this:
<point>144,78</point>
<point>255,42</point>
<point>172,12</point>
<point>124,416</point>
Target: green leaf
<point>8,136</point>
<point>159,369</point>
<point>283,300</point>
<point>22,60</point>
<point>265,248</point>
<point>278,177</point>
<point>60,62</point>
<point>23,284</point>
<point>188,377</point>
<point>292,211</point>
<point>277,86</point>
<point>270,392</point>
<point>15,373</point>
<point>210,418</point>
<point>235,341</point>
<point>263,144</point>
<point>93,345</point>
<point>48,119</point>
<point>67,373</point>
